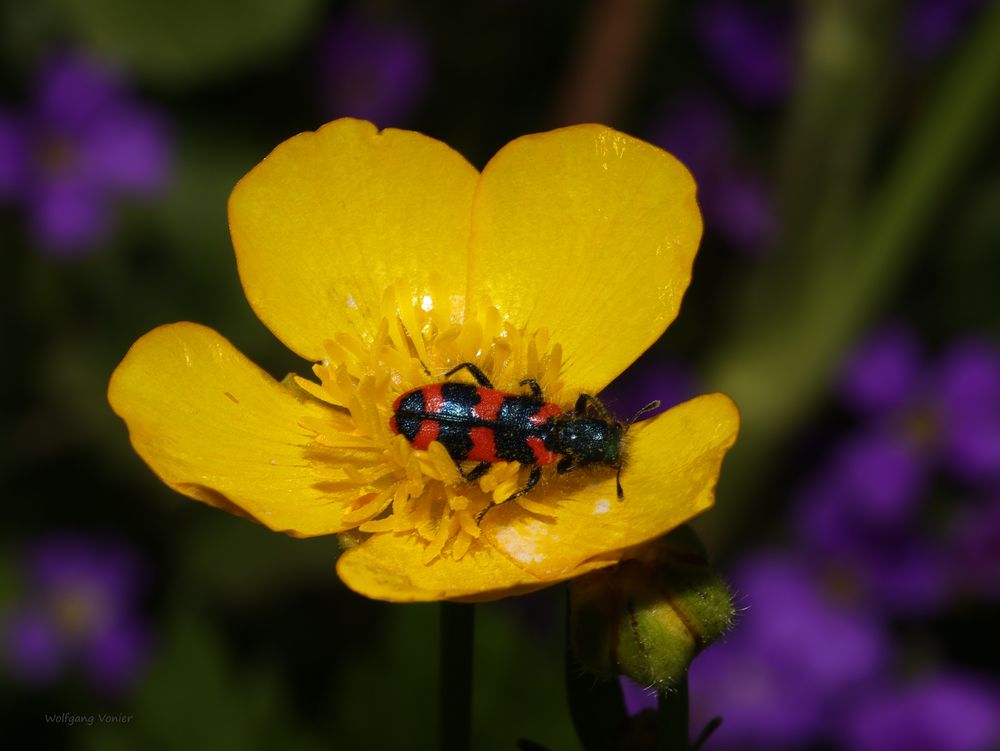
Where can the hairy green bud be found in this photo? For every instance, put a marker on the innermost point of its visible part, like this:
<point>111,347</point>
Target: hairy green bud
<point>650,615</point>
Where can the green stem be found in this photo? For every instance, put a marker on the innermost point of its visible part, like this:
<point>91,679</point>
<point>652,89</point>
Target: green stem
<point>672,718</point>
<point>455,711</point>
<point>596,707</point>
<point>706,732</point>
<point>596,704</point>
<point>845,57</point>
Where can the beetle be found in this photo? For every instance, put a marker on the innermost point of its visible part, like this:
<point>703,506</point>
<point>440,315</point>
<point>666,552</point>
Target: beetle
<point>478,423</point>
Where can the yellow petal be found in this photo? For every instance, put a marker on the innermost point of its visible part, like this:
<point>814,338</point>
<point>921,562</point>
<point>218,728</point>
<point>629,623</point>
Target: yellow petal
<point>217,428</point>
<point>393,567</point>
<point>591,234</point>
<point>673,464</point>
<point>330,219</point>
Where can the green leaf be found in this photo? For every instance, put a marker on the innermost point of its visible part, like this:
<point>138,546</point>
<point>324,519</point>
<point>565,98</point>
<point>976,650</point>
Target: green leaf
<point>188,41</point>
<point>232,560</point>
<point>192,697</point>
<point>782,353</point>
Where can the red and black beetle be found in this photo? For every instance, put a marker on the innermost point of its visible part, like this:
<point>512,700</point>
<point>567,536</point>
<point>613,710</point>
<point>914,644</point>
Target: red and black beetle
<point>481,424</point>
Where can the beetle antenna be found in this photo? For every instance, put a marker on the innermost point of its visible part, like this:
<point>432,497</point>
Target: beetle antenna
<point>655,404</point>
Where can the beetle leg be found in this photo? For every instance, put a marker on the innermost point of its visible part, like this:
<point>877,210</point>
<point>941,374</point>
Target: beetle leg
<point>586,401</point>
<point>533,478</point>
<point>566,464</point>
<point>476,373</point>
<point>475,473</point>
<point>532,384</point>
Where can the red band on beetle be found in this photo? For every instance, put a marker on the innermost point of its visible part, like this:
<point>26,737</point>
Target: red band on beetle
<point>428,432</point>
<point>542,454</point>
<point>484,447</point>
<point>546,413</point>
<point>489,404</point>
<point>433,400</point>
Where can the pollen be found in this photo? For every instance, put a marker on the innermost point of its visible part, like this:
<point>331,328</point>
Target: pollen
<point>400,489</point>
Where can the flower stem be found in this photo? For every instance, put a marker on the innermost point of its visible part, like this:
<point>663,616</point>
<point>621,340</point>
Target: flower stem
<point>706,732</point>
<point>615,38</point>
<point>455,710</point>
<point>672,718</point>
<point>596,704</point>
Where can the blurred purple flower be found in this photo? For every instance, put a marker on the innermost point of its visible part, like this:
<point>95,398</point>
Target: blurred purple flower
<point>966,385</point>
<point>83,144</point>
<point>373,72</point>
<point>750,46</point>
<point>736,202</point>
<point>931,26</point>
<point>948,410</point>
<point>974,549</point>
<point>868,491</point>
<point>859,518</point>
<point>946,712</point>
<point>795,655</point>
<point>637,698</point>
<point>78,608</point>
<point>650,380</point>
<point>696,130</point>
<point>883,372</point>
<point>739,205</point>
<point>862,511</point>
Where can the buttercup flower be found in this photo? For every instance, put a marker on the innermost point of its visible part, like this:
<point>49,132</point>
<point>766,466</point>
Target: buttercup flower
<point>386,259</point>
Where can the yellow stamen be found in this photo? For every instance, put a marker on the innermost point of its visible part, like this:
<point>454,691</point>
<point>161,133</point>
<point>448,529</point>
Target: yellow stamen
<point>420,337</point>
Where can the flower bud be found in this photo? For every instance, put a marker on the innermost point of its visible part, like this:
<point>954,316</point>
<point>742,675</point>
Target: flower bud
<point>648,616</point>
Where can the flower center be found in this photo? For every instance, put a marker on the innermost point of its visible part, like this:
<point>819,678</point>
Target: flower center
<point>55,154</point>
<point>77,610</point>
<point>921,426</point>
<point>419,338</point>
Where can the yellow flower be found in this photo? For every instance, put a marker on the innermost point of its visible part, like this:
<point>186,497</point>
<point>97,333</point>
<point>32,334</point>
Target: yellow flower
<point>386,259</point>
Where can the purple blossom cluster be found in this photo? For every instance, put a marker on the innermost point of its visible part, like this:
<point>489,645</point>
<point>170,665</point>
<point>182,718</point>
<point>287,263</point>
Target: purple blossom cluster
<point>81,146</point>
<point>813,660</point>
<point>77,611</point>
<point>751,50</point>
<point>922,422</point>
<point>668,382</point>
<point>735,199</point>
<point>931,26</point>
<point>373,71</point>
<point>750,46</point>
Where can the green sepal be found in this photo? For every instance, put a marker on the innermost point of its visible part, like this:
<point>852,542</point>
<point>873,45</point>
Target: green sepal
<point>650,615</point>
